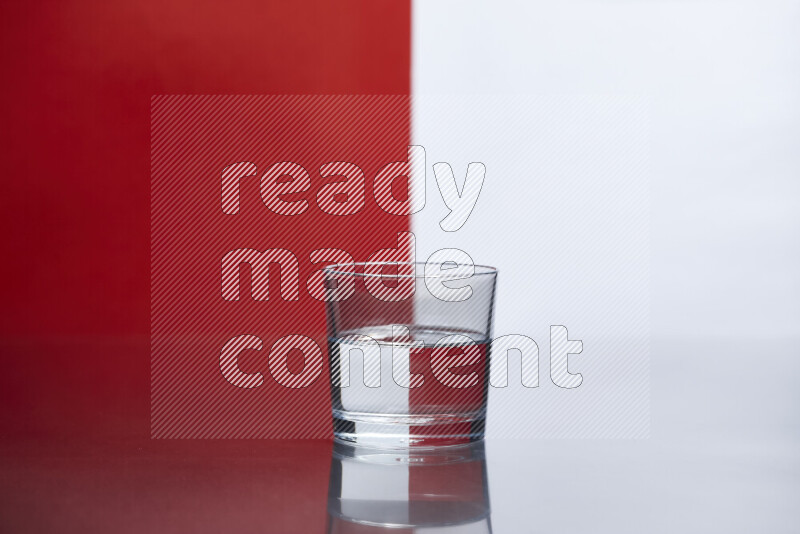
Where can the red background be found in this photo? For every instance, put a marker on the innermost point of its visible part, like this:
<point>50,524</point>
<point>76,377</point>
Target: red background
<point>193,140</point>
<point>78,78</point>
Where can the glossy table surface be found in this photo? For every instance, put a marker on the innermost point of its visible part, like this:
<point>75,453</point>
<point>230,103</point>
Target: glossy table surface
<point>723,456</point>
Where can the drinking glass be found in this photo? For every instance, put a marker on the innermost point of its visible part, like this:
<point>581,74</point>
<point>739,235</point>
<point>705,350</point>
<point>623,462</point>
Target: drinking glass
<point>409,349</point>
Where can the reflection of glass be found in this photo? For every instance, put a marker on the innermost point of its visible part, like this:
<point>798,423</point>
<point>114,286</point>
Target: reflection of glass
<point>418,491</point>
<point>409,351</point>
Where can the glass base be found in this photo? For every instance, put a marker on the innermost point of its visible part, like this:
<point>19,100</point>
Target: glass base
<point>405,431</point>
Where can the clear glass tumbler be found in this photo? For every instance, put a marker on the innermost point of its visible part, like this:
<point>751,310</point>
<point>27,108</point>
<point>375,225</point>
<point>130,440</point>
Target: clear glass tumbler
<point>409,352</point>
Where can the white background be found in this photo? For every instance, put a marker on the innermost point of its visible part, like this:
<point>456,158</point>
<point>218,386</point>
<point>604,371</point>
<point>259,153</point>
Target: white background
<point>723,84</point>
<point>723,79</point>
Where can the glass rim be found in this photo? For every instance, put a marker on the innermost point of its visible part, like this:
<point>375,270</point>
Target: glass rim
<point>337,269</point>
